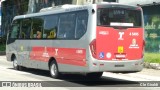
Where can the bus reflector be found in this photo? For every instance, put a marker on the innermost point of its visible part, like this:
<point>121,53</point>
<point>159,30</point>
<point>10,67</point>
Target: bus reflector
<point>93,48</point>
<point>94,64</point>
<point>101,64</point>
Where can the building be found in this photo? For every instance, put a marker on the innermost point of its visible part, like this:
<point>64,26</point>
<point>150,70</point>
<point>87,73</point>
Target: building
<point>151,10</point>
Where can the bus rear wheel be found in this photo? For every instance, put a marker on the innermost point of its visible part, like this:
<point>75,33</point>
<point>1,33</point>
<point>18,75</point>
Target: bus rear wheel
<point>94,75</point>
<point>16,66</point>
<point>54,72</point>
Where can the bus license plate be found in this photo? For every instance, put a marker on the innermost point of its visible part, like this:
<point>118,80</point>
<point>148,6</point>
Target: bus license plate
<point>120,49</point>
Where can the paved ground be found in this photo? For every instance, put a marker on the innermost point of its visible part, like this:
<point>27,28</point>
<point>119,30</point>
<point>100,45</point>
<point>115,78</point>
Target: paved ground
<point>109,80</point>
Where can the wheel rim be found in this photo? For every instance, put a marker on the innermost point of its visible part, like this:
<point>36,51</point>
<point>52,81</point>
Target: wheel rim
<point>53,69</point>
<point>15,63</point>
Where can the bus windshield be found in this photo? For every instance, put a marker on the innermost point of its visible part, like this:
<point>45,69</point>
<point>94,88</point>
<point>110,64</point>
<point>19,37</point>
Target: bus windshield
<point>119,17</point>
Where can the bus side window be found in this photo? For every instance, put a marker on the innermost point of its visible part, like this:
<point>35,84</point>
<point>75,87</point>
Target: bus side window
<point>26,28</point>
<point>50,26</point>
<point>82,20</point>
<point>67,26</point>
<point>37,28</point>
<point>15,30</point>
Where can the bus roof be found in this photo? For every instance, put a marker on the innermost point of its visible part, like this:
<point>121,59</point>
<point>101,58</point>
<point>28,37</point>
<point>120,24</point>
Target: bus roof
<point>55,10</point>
<point>67,8</point>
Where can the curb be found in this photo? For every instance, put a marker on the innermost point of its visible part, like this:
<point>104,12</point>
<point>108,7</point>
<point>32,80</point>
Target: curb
<point>152,65</point>
<point>2,53</point>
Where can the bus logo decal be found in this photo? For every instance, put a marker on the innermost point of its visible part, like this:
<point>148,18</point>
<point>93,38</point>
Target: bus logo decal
<point>134,44</point>
<point>45,49</point>
<point>22,48</point>
<point>56,52</point>
<point>101,55</point>
<point>121,36</point>
<point>120,49</point>
<point>45,54</point>
<point>108,55</point>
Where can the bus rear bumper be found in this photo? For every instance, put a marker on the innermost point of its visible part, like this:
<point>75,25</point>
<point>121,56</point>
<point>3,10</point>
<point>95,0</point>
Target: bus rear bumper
<point>120,66</point>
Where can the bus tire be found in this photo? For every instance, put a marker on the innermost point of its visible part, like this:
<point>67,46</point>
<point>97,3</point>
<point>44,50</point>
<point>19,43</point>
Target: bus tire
<point>94,75</point>
<point>15,64</point>
<point>53,68</point>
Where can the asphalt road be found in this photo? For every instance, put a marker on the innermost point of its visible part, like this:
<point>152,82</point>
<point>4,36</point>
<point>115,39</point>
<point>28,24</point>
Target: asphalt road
<point>109,81</point>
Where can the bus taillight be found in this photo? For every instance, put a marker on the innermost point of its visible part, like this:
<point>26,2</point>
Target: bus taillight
<point>93,48</point>
<point>144,44</point>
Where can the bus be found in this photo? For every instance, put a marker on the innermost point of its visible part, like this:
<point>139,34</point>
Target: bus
<point>89,39</point>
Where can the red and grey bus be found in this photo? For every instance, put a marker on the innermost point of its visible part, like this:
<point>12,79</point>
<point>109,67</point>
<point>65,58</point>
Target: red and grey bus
<point>88,39</point>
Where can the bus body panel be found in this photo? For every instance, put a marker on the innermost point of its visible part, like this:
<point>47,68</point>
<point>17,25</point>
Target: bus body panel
<point>112,44</point>
<point>41,52</point>
<point>121,66</point>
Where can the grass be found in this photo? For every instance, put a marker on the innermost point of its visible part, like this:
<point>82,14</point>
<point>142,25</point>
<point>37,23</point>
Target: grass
<point>152,57</point>
<point>2,47</point>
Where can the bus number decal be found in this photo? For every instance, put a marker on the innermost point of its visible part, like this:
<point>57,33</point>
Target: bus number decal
<point>134,34</point>
<point>103,32</point>
<point>79,51</point>
<point>121,36</point>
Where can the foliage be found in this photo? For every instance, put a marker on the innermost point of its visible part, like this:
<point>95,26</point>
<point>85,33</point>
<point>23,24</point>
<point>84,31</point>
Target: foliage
<point>2,47</point>
<point>152,57</point>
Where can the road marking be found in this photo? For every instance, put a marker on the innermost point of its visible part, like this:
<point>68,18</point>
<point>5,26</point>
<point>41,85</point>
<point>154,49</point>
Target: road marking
<point>132,76</point>
<point>147,77</point>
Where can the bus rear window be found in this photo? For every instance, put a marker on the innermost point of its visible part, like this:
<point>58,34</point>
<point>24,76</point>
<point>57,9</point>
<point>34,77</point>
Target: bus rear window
<point>119,17</point>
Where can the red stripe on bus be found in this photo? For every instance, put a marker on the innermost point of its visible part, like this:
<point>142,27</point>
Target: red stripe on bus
<point>72,56</point>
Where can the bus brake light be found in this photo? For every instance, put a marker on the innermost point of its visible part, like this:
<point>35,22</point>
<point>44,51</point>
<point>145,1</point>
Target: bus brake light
<point>144,43</point>
<point>93,48</point>
<point>143,47</point>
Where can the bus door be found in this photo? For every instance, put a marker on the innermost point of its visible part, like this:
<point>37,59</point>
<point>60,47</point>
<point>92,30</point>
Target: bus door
<point>13,35</point>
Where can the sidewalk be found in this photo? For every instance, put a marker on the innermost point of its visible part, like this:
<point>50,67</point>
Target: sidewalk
<point>144,75</point>
<point>152,65</point>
